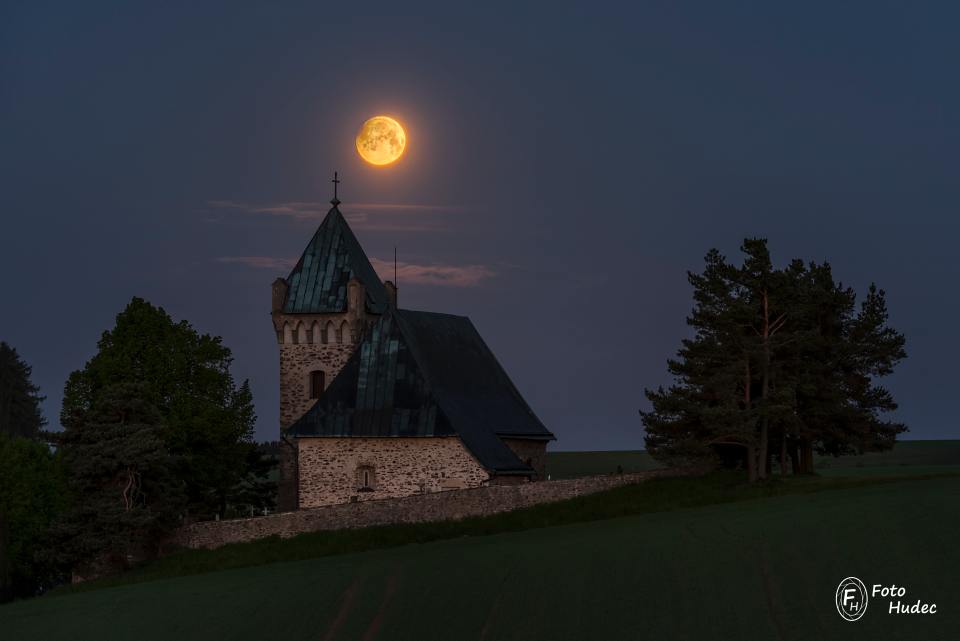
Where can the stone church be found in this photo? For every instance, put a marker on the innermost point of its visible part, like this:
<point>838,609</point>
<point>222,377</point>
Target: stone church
<point>377,401</point>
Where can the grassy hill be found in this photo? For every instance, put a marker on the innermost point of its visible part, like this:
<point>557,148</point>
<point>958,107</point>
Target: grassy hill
<point>763,569</point>
<point>650,561</point>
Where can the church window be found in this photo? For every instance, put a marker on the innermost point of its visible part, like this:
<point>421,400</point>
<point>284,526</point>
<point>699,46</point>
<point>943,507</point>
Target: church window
<point>287,334</point>
<point>366,478</point>
<point>345,333</point>
<point>330,334</point>
<point>316,383</point>
<point>301,334</point>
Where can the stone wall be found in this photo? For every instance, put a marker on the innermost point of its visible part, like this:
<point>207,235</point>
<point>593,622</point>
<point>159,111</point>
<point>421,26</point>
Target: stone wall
<point>332,469</point>
<point>287,482</point>
<point>297,360</point>
<point>296,363</point>
<point>308,342</point>
<point>438,506</point>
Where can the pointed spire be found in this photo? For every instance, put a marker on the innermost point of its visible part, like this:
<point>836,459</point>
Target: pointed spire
<point>335,181</point>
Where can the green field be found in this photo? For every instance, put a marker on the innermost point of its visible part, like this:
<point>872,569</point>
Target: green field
<point>565,465</point>
<point>928,454</point>
<point>646,562</point>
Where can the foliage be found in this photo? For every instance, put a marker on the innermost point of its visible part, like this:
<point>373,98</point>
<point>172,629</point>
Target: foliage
<point>123,477</point>
<point>781,364</point>
<point>207,420</point>
<point>19,398</point>
<point>32,495</point>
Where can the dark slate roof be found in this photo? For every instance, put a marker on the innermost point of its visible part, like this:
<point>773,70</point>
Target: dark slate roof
<point>318,283</point>
<point>426,374</point>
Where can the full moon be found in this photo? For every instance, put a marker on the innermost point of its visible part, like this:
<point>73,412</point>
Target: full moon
<point>381,140</point>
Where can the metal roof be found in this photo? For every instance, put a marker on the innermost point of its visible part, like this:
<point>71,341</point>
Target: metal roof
<point>318,283</point>
<point>426,374</point>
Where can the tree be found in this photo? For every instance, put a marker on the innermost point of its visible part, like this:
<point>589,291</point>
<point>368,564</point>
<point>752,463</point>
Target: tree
<point>122,475</point>
<point>19,398</point>
<point>709,410</point>
<point>32,496</point>
<point>207,421</point>
<point>6,583</point>
<point>806,363</point>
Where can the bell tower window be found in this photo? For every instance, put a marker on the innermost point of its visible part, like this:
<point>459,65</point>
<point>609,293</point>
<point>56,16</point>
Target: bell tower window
<point>317,380</point>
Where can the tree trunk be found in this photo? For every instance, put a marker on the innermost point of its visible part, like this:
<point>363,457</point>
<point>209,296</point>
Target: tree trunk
<point>806,457</point>
<point>794,458</point>
<point>783,454</point>
<point>752,474</point>
<point>751,463</point>
<point>6,589</point>
<point>765,390</point>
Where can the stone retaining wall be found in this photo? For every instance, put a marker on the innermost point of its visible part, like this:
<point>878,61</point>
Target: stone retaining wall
<point>437,506</point>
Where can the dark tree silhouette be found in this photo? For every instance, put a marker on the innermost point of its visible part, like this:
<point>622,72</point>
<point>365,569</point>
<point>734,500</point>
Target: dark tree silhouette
<point>19,398</point>
<point>123,476</point>
<point>207,419</point>
<point>781,364</point>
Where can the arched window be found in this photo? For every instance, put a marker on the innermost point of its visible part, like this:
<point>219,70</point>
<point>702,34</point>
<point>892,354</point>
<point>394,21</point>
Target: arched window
<point>331,332</point>
<point>301,334</point>
<point>316,332</point>
<point>317,383</point>
<point>345,333</point>
<point>366,478</point>
<point>287,334</point>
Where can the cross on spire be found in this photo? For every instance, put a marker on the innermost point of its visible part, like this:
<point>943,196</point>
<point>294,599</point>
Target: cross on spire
<point>335,181</point>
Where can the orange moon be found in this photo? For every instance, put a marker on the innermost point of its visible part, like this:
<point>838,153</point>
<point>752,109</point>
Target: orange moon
<point>381,140</point>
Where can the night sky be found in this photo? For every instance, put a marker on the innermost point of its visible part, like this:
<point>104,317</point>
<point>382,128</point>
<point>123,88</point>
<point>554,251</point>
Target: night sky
<point>565,167</point>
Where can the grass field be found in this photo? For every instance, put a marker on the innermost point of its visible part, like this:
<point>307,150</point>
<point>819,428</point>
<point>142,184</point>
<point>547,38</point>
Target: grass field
<point>762,569</point>
<point>672,559</point>
<point>912,454</point>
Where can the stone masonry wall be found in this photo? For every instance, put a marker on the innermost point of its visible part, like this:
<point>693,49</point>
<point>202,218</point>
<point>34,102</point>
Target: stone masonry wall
<point>331,469</point>
<point>296,363</point>
<point>438,506</point>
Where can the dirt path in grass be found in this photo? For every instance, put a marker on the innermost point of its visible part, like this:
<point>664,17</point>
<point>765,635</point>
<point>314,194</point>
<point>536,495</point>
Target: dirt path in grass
<point>346,603</point>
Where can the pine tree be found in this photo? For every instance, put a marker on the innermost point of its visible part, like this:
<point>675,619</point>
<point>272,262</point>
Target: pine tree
<point>19,398</point>
<point>807,364</point>
<point>123,478</point>
<point>710,411</point>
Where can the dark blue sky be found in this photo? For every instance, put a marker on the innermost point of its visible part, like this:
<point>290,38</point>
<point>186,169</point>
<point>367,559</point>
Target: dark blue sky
<point>567,165</point>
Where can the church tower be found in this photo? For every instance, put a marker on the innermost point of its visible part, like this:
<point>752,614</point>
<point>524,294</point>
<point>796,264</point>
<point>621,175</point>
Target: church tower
<point>320,312</point>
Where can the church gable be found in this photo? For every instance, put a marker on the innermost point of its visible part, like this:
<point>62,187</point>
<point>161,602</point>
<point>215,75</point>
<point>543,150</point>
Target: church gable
<point>318,282</point>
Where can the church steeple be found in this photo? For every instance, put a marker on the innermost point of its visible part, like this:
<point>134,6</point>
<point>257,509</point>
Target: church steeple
<point>319,283</point>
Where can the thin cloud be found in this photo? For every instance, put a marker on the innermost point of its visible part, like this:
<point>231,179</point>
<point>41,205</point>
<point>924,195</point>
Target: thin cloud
<point>295,210</point>
<point>259,262</point>
<point>436,275</point>
<point>375,217</point>
<point>408,273</point>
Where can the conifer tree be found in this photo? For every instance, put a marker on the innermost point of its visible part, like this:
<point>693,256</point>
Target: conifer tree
<point>122,477</point>
<point>808,366</point>
<point>19,398</point>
